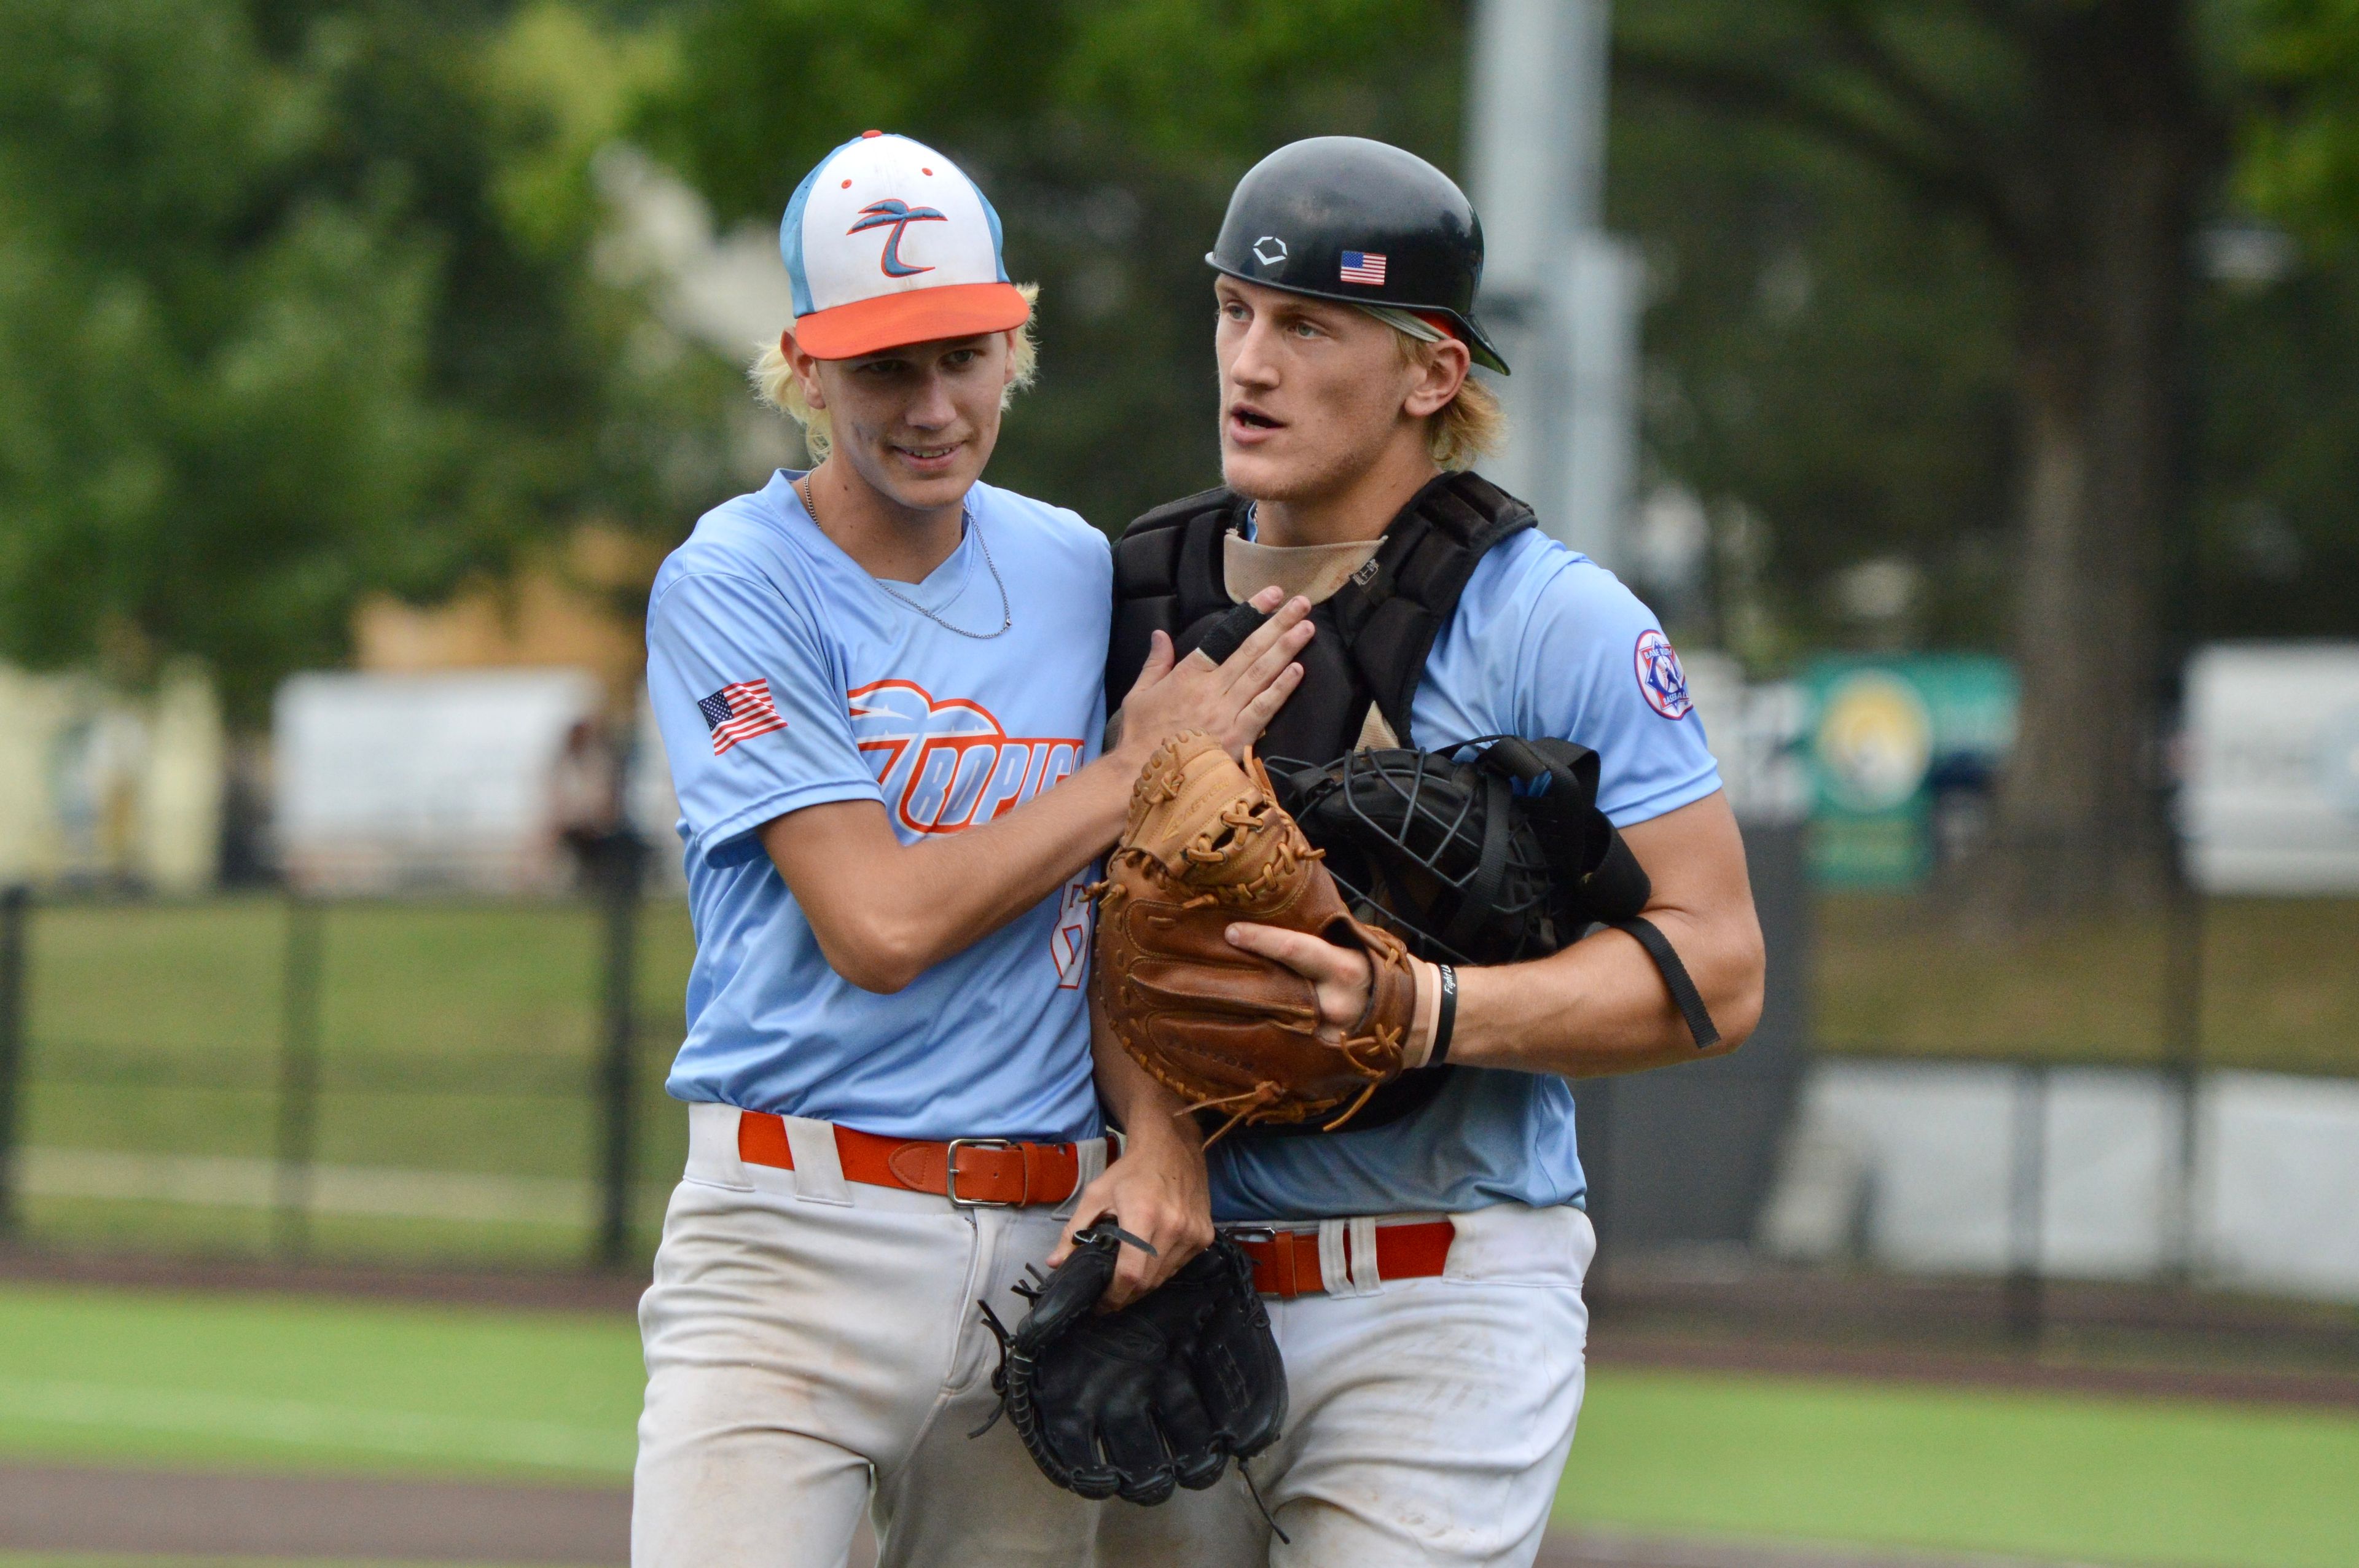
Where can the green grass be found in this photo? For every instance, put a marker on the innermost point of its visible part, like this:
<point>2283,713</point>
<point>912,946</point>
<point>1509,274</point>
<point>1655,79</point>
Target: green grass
<point>499,999</point>
<point>204,1230</point>
<point>319,1386</point>
<point>302,1384</point>
<point>109,1560</point>
<point>2107,1480</point>
<point>2280,992</point>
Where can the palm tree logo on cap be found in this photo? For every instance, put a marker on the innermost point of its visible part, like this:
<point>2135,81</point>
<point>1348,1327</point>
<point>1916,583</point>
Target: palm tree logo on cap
<point>896,215</point>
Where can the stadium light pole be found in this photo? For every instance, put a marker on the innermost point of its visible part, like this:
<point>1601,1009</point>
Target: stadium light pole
<point>1561,296</point>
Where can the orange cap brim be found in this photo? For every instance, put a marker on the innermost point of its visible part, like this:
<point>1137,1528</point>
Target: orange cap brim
<point>917,315</point>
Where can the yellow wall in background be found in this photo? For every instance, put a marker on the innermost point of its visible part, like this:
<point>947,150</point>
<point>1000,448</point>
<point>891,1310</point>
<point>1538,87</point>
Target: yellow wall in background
<point>106,787</point>
<point>578,609</point>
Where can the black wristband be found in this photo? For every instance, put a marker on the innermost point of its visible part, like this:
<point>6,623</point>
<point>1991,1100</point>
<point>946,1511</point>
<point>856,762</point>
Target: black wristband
<point>1448,1018</point>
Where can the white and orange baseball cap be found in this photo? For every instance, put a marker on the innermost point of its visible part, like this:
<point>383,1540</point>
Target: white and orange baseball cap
<point>887,243</point>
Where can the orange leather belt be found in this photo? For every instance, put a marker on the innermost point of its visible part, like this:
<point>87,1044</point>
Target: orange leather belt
<point>994,1172</point>
<point>1286,1264</point>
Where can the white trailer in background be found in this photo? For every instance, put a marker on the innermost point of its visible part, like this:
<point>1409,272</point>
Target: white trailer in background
<point>392,782</point>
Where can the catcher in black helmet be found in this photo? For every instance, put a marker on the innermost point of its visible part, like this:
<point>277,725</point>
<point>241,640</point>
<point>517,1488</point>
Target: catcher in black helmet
<point>1423,1262</point>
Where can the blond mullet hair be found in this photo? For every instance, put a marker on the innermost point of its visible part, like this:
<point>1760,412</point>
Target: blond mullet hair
<point>1470,426</point>
<point>773,376</point>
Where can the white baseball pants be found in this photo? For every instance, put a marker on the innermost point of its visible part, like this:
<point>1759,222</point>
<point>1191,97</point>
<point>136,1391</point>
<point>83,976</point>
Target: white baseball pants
<point>813,1348</point>
<point>1428,1421</point>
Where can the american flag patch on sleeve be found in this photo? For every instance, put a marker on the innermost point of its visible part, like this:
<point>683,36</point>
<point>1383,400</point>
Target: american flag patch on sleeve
<point>739,712</point>
<point>1363,266</point>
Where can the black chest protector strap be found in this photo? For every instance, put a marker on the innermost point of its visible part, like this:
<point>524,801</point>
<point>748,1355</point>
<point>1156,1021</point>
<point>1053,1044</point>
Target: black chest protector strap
<point>1374,632</point>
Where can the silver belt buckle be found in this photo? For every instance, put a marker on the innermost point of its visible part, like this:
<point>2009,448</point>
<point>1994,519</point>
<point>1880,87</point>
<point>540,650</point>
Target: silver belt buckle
<point>950,1172</point>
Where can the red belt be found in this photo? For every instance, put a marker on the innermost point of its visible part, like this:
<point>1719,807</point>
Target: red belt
<point>1286,1264</point>
<point>994,1171</point>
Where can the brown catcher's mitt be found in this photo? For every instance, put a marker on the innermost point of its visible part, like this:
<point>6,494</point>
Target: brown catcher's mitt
<point>1207,844</point>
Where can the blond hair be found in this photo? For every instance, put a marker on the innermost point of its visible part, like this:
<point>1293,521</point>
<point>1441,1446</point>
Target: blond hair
<point>1470,426</point>
<point>774,383</point>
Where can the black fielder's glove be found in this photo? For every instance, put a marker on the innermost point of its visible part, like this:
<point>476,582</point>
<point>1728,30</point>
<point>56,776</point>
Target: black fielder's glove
<point>1160,1394</point>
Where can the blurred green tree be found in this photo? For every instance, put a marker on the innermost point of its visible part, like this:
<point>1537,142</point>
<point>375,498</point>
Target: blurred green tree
<point>2054,174</point>
<point>1826,370</point>
<point>1830,365</point>
<point>2301,145</point>
<point>295,305</point>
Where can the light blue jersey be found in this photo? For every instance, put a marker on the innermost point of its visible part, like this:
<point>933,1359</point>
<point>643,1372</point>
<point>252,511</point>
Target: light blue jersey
<point>783,676</point>
<point>1545,645</point>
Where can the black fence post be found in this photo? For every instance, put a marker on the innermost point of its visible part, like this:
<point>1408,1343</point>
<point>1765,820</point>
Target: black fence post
<point>299,1075</point>
<point>1603,1169</point>
<point>619,862</point>
<point>2027,1306</point>
<point>2183,1065</point>
<point>15,906</point>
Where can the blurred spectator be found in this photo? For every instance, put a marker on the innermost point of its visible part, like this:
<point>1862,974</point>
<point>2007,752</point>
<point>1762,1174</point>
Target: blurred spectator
<point>585,803</point>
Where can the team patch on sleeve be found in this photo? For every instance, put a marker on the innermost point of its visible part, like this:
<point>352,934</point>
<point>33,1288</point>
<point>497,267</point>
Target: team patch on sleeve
<point>1661,680</point>
<point>740,712</point>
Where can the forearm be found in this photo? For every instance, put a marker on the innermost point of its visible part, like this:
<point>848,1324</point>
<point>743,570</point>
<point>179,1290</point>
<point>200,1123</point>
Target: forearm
<point>1157,1190</point>
<point>1134,1101</point>
<point>884,912</point>
<point>950,890</point>
<point>1601,1006</point>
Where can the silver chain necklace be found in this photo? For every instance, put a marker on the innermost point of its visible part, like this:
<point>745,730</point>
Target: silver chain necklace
<point>966,514</point>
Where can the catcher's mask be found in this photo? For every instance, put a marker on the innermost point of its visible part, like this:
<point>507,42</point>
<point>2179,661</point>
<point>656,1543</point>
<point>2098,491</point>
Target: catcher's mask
<point>1494,853</point>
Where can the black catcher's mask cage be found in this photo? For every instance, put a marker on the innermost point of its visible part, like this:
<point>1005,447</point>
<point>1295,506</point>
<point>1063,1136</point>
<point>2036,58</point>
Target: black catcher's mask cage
<point>1501,856</point>
<point>1432,849</point>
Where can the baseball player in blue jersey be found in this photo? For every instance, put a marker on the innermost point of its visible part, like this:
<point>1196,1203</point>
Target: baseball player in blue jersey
<point>880,689</point>
<point>1424,1267</point>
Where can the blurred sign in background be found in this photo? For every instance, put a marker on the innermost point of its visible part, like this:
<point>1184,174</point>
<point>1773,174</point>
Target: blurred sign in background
<point>1903,752</point>
<point>2272,768</point>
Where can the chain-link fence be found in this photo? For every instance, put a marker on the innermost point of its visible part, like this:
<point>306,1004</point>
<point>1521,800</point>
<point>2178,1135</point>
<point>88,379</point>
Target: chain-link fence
<point>419,1080</point>
<point>447,1080</point>
<point>2140,1085</point>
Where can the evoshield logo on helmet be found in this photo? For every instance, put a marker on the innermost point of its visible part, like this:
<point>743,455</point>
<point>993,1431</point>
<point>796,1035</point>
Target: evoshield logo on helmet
<point>896,214</point>
<point>1269,250</point>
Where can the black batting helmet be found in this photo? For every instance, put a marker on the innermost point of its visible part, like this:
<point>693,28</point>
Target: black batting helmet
<point>1359,221</point>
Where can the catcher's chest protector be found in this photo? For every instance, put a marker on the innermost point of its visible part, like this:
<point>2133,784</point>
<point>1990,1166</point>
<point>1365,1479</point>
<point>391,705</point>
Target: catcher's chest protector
<point>1374,636</point>
<point>1374,632</point>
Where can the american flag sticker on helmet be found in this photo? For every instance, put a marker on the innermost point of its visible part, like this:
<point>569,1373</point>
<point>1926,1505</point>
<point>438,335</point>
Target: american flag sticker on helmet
<point>739,711</point>
<point>1363,266</point>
